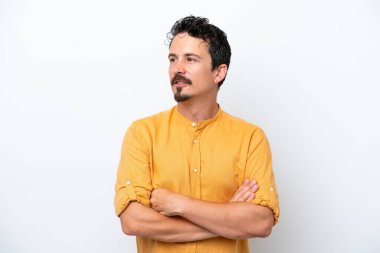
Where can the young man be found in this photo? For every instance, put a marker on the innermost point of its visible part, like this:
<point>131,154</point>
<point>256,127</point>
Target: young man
<point>194,178</point>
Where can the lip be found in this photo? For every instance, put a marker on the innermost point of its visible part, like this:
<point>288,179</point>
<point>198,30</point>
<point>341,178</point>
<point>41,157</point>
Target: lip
<point>180,84</point>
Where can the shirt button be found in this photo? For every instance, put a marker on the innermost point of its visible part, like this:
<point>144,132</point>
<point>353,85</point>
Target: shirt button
<point>195,170</point>
<point>128,182</point>
<point>271,189</point>
<point>195,141</point>
<point>193,124</point>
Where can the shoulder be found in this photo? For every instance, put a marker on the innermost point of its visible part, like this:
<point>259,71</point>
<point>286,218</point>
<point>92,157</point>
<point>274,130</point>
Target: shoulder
<point>151,122</point>
<point>249,133</point>
<point>143,130</point>
<point>239,124</point>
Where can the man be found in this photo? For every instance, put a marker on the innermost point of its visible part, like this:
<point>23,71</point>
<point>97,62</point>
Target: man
<point>194,178</point>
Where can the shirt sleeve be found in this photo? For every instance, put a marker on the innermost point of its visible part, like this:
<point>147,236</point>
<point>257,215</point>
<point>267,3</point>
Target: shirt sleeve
<point>259,168</point>
<point>133,181</point>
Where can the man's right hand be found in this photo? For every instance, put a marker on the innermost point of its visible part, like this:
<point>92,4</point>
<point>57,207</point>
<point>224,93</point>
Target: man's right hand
<point>246,191</point>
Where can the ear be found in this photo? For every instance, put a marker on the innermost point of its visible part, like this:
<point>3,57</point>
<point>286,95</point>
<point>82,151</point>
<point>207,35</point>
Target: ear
<point>220,73</point>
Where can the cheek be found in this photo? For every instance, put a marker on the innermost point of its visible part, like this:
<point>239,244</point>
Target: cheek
<point>207,77</point>
<point>170,71</point>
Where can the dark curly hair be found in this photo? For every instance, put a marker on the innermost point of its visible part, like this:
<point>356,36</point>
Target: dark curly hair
<point>199,27</point>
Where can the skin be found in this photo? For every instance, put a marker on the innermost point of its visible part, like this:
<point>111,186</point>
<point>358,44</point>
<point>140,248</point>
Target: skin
<point>234,220</point>
<point>140,220</point>
<point>177,218</point>
<point>189,57</point>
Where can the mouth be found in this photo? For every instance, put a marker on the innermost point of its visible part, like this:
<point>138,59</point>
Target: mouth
<point>180,84</point>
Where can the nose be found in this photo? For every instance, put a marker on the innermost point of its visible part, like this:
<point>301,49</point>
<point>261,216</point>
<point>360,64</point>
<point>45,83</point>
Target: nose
<point>180,66</point>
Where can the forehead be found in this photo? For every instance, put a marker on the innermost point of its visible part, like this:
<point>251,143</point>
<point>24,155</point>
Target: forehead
<point>183,43</point>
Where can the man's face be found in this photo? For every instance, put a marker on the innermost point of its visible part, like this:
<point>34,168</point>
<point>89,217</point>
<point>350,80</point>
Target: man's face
<point>190,68</point>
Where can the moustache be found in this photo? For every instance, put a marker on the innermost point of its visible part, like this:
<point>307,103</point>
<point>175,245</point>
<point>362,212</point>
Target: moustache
<point>179,78</point>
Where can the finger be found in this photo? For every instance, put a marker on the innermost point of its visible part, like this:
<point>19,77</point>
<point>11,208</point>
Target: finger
<point>248,194</point>
<point>234,198</point>
<point>248,187</point>
<point>242,196</point>
<point>251,197</point>
<point>255,187</point>
<point>240,191</point>
<point>253,183</point>
<point>245,187</point>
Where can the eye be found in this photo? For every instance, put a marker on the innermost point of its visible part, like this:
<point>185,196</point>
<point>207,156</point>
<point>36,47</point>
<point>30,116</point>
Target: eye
<point>190,59</point>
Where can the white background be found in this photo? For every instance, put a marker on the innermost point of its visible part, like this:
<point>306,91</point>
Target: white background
<point>74,74</point>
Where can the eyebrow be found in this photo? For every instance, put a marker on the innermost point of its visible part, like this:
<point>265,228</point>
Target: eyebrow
<point>188,54</point>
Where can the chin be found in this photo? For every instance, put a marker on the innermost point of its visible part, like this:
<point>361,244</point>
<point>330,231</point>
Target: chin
<point>179,97</point>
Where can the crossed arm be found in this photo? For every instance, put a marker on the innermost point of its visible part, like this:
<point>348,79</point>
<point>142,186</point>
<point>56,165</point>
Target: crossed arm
<point>178,218</point>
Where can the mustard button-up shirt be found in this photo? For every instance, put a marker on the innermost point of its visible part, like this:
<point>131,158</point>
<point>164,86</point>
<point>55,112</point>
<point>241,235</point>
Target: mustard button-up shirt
<point>208,160</point>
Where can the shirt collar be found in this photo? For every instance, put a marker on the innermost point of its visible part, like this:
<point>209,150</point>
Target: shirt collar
<point>198,125</point>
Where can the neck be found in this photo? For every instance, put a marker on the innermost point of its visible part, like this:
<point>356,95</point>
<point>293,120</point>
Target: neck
<point>199,111</point>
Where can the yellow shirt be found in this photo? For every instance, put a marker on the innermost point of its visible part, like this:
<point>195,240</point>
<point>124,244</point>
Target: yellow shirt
<point>207,160</point>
